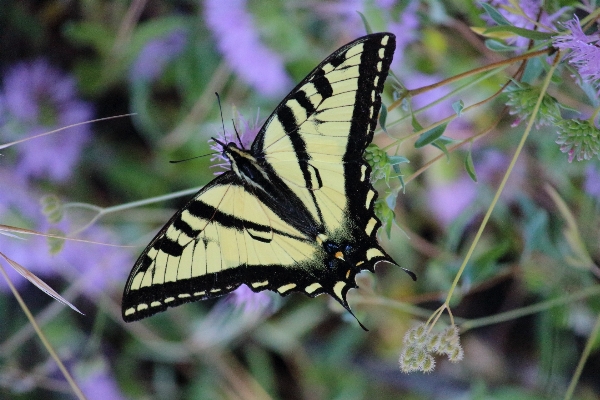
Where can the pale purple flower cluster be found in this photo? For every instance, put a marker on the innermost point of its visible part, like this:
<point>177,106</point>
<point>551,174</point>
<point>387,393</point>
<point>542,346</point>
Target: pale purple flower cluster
<point>406,31</point>
<point>592,181</point>
<point>239,42</point>
<point>99,267</point>
<point>247,131</point>
<point>37,98</point>
<point>585,51</point>
<point>156,54</point>
<point>97,382</point>
<point>253,303</point>
<point>448,200</point>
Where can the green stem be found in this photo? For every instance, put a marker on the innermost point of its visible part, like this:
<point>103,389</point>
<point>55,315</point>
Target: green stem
<point>586,353</point>
<point>505,178</point>
<point>532,309</point>
<point>103,211</point>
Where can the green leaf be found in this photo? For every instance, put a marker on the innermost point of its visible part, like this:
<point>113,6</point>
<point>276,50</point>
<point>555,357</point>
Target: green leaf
<point>52,208</point>
<point>415,124</point>
<point>400,175</point>
<point>383,117</point>
<point>365,23</point>
<point>470,167</point>
<point>55,244</point>
<point>441,144</point>
<point>533,70</point>
<point>494,14</point>
<point>92,34</point>
<point>526,33</point>
<point>497,46</point>
<point>395,160</point>
<point>458,106</point>
<point>430,136</point>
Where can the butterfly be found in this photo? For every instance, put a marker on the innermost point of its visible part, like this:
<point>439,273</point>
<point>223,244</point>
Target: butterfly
<point>296,211</point>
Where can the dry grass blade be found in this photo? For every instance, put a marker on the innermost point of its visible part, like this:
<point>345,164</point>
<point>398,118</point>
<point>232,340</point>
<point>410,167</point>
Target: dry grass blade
<point>38,282</point>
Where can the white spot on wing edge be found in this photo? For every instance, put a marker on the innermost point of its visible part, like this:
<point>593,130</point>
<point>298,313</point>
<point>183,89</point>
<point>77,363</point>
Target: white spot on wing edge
<point>142,306</point>
<point>259,284</point>
<point>370,225</point>
<point>370,196</point>
<point>130,311</point>
<point>337,289</point>
<point>373,253</point>
<point>311,288</point>
<point>286,288</point>
<point>155,304</point>
<point>184,295</point>
<point>384,40</point>
<point>379,66</point>
<point>169,299</point>
<point>381,52</point>
<point>363,170</point>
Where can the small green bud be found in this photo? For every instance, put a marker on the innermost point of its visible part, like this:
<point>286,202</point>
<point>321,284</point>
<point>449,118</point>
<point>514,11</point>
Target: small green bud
<point>579,139</point>
<point>522,99</point>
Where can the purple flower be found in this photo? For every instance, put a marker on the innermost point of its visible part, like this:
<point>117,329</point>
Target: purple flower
<point>247,130</point>
<point>20,204</point>
<point>100,267</point>
<point>440,110</point>
<point>592,181</point>
<point>96,381</point>
<point>448,200</point>
<point>38,98</point>
<point>585,51</point>
<point>531,8</point>
<point>342,18</point>
<point>406,31</point>
<point>255,303</point>
<point>239,42</point>
<point>156,54</point>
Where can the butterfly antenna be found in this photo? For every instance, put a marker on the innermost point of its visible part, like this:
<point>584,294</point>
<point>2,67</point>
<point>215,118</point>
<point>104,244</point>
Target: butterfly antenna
<point>221,111</point>
<point>238,135</point>
<point>191,158</point>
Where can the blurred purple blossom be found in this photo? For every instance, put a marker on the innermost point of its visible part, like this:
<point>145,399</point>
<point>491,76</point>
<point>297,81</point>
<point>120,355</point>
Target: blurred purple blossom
<point>406,31</point>
<point>239,42</point>
<point>38,98</point>
<point>156,54</point>
<point>97,383</point>
<point>441,110</point>
<point>254,303</point>
<point>101,266</point>
<point>342,17</point>
<point>247,130</point>
<point>592,181</point>
<point>585,51</point>
<point>531,8</point>
<point>448,199</point>
<point>19,204</point>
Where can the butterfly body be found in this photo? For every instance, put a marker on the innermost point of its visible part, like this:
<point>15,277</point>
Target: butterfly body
<point>296,210</point>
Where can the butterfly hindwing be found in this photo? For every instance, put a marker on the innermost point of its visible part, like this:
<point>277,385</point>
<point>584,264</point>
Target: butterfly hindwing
<point>296,213</point>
